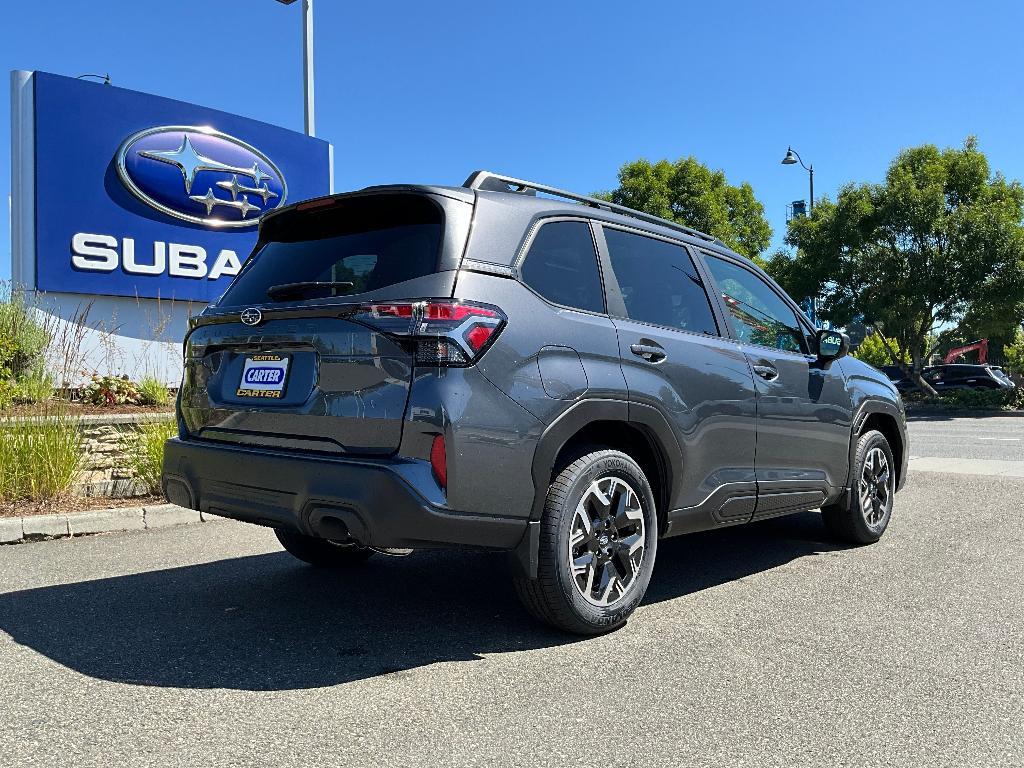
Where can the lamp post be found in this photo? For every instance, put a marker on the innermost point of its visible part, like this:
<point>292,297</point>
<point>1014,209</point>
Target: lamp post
<point>105,78</point>
<point>307,60</point>
<point>792,158</point>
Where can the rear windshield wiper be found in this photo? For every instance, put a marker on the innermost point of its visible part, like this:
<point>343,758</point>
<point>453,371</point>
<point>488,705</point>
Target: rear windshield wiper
<point>304,289</point>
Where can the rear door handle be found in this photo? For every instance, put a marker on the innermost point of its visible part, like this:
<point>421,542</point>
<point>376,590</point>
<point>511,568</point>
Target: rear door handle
<point>652,353</point>
<point>767,372</point>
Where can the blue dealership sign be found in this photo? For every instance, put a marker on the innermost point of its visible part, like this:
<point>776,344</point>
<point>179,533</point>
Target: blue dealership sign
<point>138,195</point>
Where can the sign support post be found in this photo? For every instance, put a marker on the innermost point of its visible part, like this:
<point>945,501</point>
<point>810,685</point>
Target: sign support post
<point>23,261</point>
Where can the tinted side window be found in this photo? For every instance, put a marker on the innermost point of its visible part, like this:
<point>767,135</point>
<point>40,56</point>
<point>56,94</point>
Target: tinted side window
<point>756,313</point>
<point>659,282</point>
<point>562,266</point>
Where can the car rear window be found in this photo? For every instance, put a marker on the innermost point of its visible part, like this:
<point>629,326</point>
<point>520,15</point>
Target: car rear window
<point>354,246</point>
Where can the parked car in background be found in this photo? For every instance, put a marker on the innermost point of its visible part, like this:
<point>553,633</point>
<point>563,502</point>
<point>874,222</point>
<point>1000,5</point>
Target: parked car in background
<point>948,377</point>
<point>896,375</point>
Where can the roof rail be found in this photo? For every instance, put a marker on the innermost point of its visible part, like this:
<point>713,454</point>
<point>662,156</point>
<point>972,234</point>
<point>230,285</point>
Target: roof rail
<point>495,182</point>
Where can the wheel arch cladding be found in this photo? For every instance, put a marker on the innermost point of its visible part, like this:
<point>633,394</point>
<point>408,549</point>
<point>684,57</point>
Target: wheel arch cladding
<point>602,424</point>
<point>887,425</point>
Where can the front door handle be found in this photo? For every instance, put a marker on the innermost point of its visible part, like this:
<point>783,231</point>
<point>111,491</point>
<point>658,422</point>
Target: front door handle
<point>767,372</point>
<point>652,353</point>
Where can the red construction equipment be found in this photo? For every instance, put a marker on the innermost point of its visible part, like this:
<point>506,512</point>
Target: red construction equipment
<point>981,346</point>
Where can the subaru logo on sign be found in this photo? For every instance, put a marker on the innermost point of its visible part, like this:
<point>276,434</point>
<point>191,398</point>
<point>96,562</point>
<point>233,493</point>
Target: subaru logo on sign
<point>200,175</point>
<point>251,316</point>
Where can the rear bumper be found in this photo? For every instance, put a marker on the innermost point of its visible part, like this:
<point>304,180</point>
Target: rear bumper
<point>380,503</point>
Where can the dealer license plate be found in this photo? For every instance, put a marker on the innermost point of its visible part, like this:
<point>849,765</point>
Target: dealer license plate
<point>263,376</point>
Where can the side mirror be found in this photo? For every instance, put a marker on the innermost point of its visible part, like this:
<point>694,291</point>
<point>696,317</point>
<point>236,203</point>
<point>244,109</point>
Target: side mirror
<point>832,345</point>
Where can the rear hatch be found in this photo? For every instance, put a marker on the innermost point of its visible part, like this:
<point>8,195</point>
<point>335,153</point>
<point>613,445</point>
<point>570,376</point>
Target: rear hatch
<point>296,354</point>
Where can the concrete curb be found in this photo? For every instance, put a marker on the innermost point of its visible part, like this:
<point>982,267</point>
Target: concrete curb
<point>15,530</point>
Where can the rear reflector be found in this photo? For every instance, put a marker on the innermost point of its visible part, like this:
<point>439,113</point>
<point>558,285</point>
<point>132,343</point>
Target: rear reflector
<point>479,335</point>
<point>439,461</point>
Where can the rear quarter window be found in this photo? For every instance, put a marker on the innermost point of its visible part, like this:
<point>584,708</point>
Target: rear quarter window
<point>561,266</point>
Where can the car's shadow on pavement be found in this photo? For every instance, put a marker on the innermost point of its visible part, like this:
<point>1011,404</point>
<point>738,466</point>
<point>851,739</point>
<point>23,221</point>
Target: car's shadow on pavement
<point>268,622</point>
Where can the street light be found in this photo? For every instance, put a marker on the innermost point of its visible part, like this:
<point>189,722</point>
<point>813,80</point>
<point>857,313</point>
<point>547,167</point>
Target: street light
<point>307,59</point>
<point>105,78</point>
<point>792,158</point>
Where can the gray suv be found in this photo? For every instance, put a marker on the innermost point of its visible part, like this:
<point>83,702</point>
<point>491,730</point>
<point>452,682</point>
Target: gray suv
<point>509,366</point>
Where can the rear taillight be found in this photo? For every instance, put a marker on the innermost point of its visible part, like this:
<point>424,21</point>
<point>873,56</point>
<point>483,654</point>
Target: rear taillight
<point>439,461</point>
<point>444,331</point>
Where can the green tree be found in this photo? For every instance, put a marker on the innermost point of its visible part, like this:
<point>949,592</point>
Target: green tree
<point>1013,354</point>
<point>690,193</point>
<point>997,318</point>
<point>942,235</point>
<point>874,350</point>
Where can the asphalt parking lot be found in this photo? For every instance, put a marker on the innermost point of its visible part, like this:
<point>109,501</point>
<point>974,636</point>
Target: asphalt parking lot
<point>206,645</point>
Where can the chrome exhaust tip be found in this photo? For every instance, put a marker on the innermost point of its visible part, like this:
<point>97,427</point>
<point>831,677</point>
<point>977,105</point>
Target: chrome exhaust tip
<point>392,551</point>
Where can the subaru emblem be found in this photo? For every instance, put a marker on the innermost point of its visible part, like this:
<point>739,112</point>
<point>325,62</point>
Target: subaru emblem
<point>200,175</point>
<point>251,316</point>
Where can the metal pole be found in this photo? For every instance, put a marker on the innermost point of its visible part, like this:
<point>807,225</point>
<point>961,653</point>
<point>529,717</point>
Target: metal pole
<point>307,63</point>
<point>811,171</point>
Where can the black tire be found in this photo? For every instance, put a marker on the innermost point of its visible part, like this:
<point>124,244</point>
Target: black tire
<point>849,521</point>
<point>321,553</point>
<point>555,596</point>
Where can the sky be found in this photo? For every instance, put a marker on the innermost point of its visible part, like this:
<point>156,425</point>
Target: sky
<point>566,92</point>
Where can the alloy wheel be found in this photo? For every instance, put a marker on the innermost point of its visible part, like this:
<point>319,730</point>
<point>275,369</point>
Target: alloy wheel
<point>875,487</point>
<point>606,541</point>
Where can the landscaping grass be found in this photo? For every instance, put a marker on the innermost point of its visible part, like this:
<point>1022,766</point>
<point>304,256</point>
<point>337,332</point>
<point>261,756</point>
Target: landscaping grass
<point>144,450</point>
<point>39,457</point>
<point>152,391</point>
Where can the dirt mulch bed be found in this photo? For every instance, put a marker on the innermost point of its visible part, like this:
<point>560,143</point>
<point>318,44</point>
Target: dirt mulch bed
<point>81,409</point>
<point>72,504</point>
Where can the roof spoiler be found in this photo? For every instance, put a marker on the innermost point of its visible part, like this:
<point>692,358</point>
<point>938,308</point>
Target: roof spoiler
<point>494,182</point>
